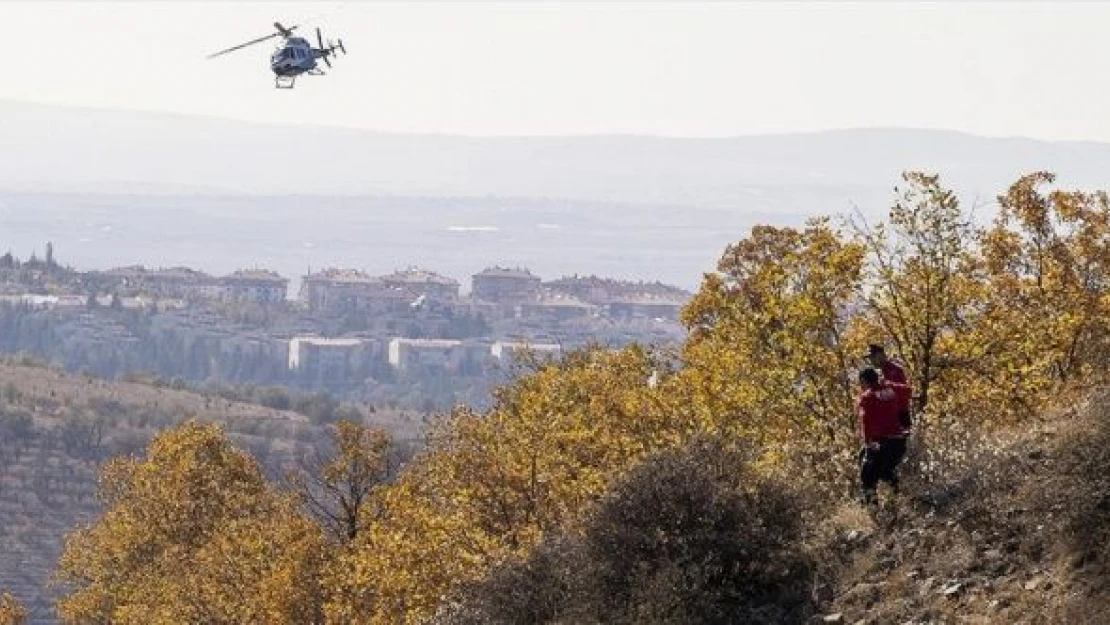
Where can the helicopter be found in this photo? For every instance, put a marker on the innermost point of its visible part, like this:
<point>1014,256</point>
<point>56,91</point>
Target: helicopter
<point>295,55</point>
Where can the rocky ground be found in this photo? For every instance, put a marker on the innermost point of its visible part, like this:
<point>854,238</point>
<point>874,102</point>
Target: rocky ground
<point>1021,536</point>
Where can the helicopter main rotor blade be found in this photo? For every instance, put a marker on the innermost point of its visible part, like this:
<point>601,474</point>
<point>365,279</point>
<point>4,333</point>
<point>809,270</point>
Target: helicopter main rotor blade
<point>243,45</point>
<point>285,32</point>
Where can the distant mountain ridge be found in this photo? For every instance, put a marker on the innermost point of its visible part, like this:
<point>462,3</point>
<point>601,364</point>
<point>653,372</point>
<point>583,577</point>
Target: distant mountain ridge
<point>52,148</point>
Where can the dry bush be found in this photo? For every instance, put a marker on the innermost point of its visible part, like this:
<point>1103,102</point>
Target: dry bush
<point>828,472</point>
<point>692,536</point>
<point>689,536</point>
<point>1078,496</point>
<point>543,588</point>
<point>950,462</point>
<point>1084,473</point>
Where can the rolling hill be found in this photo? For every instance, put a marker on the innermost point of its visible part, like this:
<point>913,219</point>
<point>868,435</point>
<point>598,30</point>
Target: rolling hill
<point>56,430</point>
<point>91,150</point>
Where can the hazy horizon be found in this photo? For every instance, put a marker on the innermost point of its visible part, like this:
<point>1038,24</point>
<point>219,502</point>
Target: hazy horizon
<point>114,187</point>
<point>601,134</point>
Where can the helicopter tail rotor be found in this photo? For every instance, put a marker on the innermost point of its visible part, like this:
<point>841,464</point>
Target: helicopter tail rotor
<point>325,51</point>
<point>336,45</point>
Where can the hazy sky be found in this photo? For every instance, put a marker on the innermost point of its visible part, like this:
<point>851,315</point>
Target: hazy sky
<point>684,69</point>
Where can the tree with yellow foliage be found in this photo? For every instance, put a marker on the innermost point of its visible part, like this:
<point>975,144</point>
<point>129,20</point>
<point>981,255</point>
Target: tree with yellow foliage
<point>769,357</point>
<point>921,279</point>
<point>1047,257</point>
<point>11,611</point>
<point>192,533</point>
<point>336,487</point>
<point>490,485</point>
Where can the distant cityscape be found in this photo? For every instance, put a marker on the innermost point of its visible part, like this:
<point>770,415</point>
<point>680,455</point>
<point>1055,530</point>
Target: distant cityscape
<point>409,338</point>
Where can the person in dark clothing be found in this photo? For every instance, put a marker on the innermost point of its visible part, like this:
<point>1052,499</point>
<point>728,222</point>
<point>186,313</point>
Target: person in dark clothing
<point>884,439</point>
<point>894,373</point>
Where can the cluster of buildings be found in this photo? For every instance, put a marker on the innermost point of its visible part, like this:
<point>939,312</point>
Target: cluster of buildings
<point>261,286</point>
<point>345,329</point>
<point>316,358</point>
<point>354,290</point>
<point>526,312</point>
<point>496,292</point>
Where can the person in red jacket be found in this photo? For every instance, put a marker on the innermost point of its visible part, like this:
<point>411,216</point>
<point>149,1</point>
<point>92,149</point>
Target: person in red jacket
<point>884,438</point>
<point>894,373</point>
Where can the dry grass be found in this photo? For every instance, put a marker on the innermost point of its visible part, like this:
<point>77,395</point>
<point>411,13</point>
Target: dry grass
<point>1020,534</point>
<point>53,389</point>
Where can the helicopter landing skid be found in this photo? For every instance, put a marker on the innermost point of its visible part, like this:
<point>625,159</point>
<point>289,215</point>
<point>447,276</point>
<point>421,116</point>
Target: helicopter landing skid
<point>284,82</point>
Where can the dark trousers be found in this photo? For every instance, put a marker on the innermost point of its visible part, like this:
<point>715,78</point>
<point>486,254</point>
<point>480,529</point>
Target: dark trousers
<point>904,418</point>
<point>881,464</point>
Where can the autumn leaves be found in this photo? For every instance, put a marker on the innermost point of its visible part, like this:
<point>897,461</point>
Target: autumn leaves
<point>992,323</point>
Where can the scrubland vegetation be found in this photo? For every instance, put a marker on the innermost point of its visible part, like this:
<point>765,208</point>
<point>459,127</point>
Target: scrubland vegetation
<point>712,484</point>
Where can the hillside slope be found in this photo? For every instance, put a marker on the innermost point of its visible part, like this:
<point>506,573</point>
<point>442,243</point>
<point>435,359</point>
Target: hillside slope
<point>56,430</point>
<point>1021,536</point>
